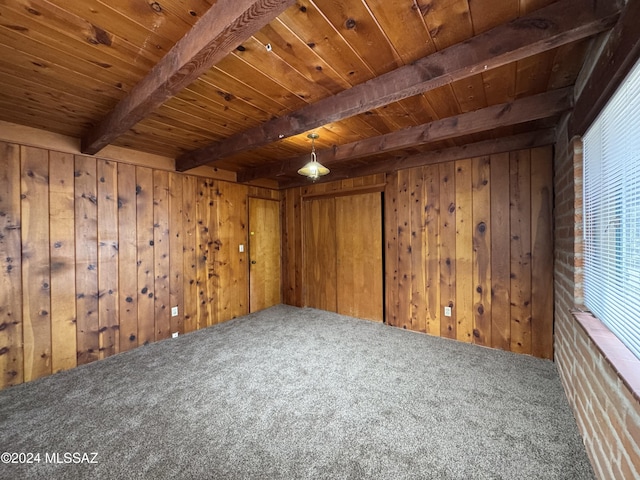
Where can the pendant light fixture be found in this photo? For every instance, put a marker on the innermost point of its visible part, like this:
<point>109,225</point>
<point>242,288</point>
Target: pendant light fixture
<point>313,169</point>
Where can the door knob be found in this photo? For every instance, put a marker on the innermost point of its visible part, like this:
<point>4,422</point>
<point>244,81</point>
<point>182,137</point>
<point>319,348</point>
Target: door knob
<point>253,262</point>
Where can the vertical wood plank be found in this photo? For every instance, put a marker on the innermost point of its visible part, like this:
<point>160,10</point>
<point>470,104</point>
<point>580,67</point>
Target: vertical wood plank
<point>501,253</point>
<point>11,356</point>
<point>294,215</point>
<point>204,265</point>
<point>190,289</point>
<point>240,209</point>
<point>290,247</point>
<point>62,248</point>
<point>481,172</point>
<point>431,178</point>
<point>448,325</point>
<point>108,303</point>
<point>127,258</point>
<point>86,259</point>
<point>391,256</point>
<point>542,252</point>
<point>36,279</point>
<point>464,251</point>
<point>162,299</point>
<point>404,249</point>
<point>520,219</point>
<point>417,253</point>
<point>144,240</point>
<point>176,247</point>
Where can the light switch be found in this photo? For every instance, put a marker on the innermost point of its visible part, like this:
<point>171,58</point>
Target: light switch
<point>241,248</point>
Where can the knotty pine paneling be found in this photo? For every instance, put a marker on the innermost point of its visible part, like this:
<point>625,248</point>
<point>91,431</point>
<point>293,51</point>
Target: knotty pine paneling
<point>94,253</point>
<point>447,248</point>
<point>62,247</point>
<point>176,249</point>
<point>464,251</point>
<point>108,304</point>
<point>161,232</point>
<point>481,193</point>
<point>205,206</point>
<point>189,260</point>
<point>127,258</point>
<point>36,279</point>
<point>11,351</point>
<point>86,261</point>
<point>500,238</point>
<point>476,234</point>
<point>472,234</point>
<point>145,249</point>
<point>520,287</point>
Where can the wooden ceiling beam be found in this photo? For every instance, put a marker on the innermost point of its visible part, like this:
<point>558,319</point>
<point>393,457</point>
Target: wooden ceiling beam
<point>620,53</point>
<point>225,26</point>
<point>511,143</point>
<point>560,23</point>
<point>526,109</point>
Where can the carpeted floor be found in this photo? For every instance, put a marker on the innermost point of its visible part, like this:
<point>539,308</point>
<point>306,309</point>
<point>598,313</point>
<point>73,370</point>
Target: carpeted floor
<point>294,393</point>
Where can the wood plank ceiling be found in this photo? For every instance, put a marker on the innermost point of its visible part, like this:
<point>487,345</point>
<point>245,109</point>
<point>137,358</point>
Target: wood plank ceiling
<point>427,73</point>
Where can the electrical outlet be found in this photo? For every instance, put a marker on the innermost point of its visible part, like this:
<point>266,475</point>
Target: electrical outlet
<point>174,335</point>
<point>174,311</point>
<point>447,311</point>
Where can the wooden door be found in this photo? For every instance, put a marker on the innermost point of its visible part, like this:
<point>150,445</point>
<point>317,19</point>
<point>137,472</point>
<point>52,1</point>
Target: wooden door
<point>359,256</point>
<point>320,254</point>
<point>264,254</point>
<point>343,255</point>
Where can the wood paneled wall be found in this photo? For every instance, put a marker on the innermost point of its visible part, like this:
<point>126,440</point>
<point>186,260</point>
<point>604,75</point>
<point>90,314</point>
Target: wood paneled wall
<point>474,234</point>
<point>94,253</point>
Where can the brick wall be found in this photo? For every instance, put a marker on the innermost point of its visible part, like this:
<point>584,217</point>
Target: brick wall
<point>603,402</point>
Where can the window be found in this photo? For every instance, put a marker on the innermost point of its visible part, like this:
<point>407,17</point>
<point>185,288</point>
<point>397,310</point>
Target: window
<point>612,214</point>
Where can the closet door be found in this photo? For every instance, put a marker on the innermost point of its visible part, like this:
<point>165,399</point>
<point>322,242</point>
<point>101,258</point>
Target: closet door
<point>359,256</point>
<point>319,254</point>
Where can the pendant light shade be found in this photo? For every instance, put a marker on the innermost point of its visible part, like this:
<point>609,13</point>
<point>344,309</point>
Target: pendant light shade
<point>313,169</point>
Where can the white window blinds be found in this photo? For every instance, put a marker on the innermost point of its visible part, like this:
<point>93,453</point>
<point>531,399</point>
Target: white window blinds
<point>612,214</point>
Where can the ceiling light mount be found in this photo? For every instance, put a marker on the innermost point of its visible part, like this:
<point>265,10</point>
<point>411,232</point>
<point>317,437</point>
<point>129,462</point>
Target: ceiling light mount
<point>314,169</point>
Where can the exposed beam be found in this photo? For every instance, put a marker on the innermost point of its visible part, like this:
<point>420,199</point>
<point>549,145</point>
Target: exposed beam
<point>527,109</point>
<point>225,26</point>
<point>619,55</point>
<point>487,147</point>
<point>557,24</point>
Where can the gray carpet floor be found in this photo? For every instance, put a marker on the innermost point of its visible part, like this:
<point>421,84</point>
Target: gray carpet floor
<point>291,393</point>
